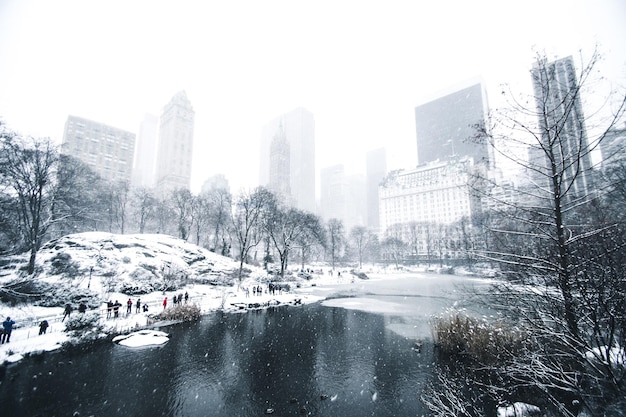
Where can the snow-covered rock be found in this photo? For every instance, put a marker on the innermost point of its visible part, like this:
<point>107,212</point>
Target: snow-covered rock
<point>142,338</point>
<point>84,265</point>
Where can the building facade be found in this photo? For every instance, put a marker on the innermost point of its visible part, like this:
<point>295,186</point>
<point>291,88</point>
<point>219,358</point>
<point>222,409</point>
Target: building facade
<point>107,150</point>
<point>434,193</point>
<point>287,158</point>
<point>175,149</point>
<point>445,126</point>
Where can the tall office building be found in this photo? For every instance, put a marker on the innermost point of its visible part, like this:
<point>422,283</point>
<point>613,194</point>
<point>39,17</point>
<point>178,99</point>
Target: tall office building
<point>174,156</point>
<point>288,151</point>
<point>375,171</point>
<point>445,126</point>
<point>106,149</point>
<point>280,166</point>
<point>145,152</point>
<point>562,122</point>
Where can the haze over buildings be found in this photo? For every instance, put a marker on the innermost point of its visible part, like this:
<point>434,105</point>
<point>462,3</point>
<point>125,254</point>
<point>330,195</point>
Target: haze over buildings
<point>105,149</point>
<point>445,126</point>
<point>146,150</point>
<point>287,158</point>
<point>175,149</point>
<point>375,171</point>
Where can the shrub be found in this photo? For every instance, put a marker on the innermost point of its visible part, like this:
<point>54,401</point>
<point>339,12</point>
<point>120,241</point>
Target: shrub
<point>62,264</point>
<point>184,312</point>
<point>82,321</point>
<point>486,342</point>
<point>84,327</point>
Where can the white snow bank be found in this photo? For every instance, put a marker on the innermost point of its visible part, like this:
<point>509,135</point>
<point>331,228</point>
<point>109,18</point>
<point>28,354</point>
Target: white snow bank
<point>518,409</point>
<point>142,338</point>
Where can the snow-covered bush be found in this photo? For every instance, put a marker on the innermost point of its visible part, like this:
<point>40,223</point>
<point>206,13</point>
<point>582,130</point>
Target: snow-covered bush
<point>62,264</point>
<point>84,327</point>
<point>82,321</point>
<point>184,312</point>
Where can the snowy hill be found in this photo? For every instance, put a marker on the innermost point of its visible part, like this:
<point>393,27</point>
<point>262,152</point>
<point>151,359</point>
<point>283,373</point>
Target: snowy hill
<point>91,265</point>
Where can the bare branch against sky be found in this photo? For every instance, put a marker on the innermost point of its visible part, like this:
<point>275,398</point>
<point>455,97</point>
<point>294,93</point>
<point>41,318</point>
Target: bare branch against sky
<point>359,67</point>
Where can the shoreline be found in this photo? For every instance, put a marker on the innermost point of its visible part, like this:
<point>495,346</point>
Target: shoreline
<point>26,341</point>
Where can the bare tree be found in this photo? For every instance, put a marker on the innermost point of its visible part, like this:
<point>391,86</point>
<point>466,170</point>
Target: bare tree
<point>246,221</point>
<point>121,201</point>
<point>559,171</point>
<point>559,239</point>
<point>286,227</point>
<point>201,215</point>
<point>221,203</point>
<point>393,249</point>
<point>336,239</point>
<point>144,207</point>
<point>182,205</point>
<point>80,191</point>
<point>28,170</point>
<point>360,236</point>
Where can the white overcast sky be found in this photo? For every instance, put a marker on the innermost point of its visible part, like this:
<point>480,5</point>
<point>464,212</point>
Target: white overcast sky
<point>359,66</point>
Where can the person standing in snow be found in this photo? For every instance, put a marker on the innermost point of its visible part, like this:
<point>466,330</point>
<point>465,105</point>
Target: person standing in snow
<point>138,305</point>
<point>7,327</point>
<point>43,327</point>
<point>109,308</point>
<point>67,311</point>
<point>186,297</point>
<point>129,306</point>
<point>164,303</point>
<point>116,309</point>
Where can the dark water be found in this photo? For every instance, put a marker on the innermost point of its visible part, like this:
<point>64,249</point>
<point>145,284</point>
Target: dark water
<point>233,365</point>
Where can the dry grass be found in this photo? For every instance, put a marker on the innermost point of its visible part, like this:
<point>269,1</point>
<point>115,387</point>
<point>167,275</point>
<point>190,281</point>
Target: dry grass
<point>487,342</point>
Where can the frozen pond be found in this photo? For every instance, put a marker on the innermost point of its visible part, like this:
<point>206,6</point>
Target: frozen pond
<point>348,356</point>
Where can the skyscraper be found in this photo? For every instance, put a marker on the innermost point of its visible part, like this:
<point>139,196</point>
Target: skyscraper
<point>146,150</point>
<point>562,125</point>
<point>375,171</point>
<point>445,126</point>
<point>106,149</point>
<point>280,166</point>
<point>173,169</point>
<point>288,151</point>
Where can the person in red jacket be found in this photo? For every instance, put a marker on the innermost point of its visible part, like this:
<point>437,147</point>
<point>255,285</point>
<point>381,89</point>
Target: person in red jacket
<point>164,303</point>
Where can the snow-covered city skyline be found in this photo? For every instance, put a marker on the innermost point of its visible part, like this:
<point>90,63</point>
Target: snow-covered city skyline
<point>359,68</point>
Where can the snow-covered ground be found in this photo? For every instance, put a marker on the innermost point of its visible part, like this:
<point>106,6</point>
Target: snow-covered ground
<point>96,267</point>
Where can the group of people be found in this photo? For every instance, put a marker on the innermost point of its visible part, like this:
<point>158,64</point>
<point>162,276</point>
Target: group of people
<point>177,299</point>
<point>82,307</point>
<point>7,329</point>
<point>113,308</point>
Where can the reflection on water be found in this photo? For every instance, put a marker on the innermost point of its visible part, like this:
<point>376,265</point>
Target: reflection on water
<point>233,365</point>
